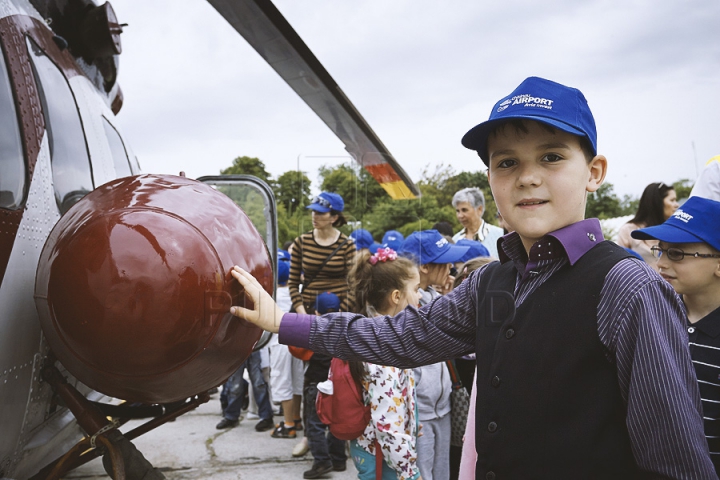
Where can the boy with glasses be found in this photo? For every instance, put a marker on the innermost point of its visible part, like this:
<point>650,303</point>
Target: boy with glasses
<point>688,257</point>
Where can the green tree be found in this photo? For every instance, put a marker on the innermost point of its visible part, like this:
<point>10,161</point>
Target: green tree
<point>443,183</point>
<point>248,166</point>
<point>360,191</point>
<point>683,188</point>
<point>292,190</point>
<point>603,203</point>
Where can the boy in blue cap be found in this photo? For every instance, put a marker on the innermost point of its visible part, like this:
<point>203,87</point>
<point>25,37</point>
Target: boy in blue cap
<point>688,257</point>
<point>583,369</point>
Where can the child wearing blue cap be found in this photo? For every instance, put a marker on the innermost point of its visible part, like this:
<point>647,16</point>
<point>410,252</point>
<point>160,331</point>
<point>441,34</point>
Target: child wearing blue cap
<point>583,369</point>
<point>688,257</point>
<point>434,256</point>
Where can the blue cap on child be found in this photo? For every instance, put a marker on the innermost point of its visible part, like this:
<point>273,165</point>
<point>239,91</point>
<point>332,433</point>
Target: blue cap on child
<point>696,221</point>
<point>564,108</point>
<point>429,246</point>
<point>393,239</point>
<point>283,272</point>
<point>475,249</point>
<point>363,238</point>
<point>283,255</point>
<point>327,302</point>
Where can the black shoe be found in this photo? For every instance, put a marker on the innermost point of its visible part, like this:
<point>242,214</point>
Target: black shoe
<point>339,466</point>
<point>318,470</point>
<point>225,423</point>
<point>264,425</point>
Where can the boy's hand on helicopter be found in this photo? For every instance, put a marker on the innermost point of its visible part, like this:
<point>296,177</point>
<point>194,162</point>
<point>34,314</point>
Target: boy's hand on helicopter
<point>265,312</point>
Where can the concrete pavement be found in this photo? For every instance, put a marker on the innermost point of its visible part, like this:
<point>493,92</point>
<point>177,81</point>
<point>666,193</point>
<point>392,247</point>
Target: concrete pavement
<point>191,448</point>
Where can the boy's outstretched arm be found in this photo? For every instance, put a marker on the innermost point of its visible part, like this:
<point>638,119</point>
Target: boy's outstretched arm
<point>265,312</point>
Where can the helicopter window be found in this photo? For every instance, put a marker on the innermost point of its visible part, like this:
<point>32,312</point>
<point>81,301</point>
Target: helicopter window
<point>72,173</point>
<point>12,165</point>
<point>117,147</point>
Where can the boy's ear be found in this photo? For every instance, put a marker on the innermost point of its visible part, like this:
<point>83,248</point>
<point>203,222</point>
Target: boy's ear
<point>598,170</point>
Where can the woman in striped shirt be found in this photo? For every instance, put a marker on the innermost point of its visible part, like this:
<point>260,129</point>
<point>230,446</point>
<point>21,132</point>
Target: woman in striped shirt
<point>310,250</point>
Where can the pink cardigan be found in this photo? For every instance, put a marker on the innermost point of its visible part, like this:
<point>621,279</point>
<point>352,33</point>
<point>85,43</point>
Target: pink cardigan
<point>469,455</point>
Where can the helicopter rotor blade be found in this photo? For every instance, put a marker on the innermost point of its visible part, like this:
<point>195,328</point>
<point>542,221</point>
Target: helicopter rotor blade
<point>270,34</point>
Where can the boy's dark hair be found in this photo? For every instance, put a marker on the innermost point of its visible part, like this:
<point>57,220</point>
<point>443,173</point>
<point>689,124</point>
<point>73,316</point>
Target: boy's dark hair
<point>651,210</point>
<point>286,246</point>
<point>444,228</point>
<point>341,219</point>
<point>520,128</point>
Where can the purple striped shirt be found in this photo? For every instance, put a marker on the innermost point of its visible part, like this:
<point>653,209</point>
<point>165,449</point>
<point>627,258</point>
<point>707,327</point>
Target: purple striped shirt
<point>640,322</point>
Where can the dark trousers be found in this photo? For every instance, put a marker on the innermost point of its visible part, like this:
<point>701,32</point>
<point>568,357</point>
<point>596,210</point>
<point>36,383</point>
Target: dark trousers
<point>323,445</point>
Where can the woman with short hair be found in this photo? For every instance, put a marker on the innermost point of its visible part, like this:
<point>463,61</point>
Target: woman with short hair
<point>469,204</point>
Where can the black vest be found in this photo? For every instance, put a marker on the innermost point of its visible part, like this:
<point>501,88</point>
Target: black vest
<point>548,400</point>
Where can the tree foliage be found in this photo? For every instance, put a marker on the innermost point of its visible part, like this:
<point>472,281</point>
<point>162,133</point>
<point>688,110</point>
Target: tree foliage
<point>292,190</point>
<point>248,166</point>
<point>369,206</point>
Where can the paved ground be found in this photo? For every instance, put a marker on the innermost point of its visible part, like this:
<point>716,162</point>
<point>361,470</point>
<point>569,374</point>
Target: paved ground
<point>191,448</point>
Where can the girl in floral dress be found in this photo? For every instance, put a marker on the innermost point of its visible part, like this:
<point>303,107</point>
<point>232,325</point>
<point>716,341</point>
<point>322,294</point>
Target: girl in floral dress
<point>385,285</point>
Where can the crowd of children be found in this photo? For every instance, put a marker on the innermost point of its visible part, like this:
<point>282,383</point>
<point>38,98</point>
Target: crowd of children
<point>588,363</point>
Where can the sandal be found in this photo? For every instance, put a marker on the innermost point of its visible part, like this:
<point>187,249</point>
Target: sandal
<point>281,431</point>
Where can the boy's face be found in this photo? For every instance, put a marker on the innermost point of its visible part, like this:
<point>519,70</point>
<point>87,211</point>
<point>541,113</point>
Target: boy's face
<point>539,179</point>
<point>690,276</point>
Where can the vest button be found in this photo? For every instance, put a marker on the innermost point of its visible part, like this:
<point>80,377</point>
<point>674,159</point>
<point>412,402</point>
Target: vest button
<point>495,381</point>
<point>509,333</point>
<point>691,330</point>
<point>490,476</point>
<point>492,426</point>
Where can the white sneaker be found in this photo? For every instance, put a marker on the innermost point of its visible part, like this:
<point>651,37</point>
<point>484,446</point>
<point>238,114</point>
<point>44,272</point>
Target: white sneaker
<point>301,448</point>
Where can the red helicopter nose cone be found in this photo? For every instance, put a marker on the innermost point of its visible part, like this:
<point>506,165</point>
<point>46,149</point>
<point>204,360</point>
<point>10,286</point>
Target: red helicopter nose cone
<point>134,292</point>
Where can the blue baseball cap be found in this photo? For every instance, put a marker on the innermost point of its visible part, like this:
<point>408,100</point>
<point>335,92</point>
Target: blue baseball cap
<point>327,201</point>
<point>564,108</point>
<point>697,221</point>
<point>374,247</point>
<point>393,239</point>
<point>363,238</point>
<point>326,302</point>
<point>283,272</point>
<point>475,249</point>
<point>429,246</point>
<point>283,255</point>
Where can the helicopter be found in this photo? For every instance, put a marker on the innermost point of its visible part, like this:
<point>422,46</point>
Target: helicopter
<point>89,244</point>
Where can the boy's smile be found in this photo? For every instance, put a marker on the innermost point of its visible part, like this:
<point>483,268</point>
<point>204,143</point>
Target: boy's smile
<point>540,178</point>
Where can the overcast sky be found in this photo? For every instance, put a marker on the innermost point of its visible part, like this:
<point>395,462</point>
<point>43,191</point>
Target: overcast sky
<point>422,74</point>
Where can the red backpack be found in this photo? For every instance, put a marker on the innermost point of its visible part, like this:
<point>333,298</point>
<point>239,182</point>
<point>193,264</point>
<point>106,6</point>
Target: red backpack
<point>344,411</point>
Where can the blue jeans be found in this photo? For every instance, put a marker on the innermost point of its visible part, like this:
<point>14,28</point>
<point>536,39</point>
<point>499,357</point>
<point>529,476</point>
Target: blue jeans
<point>234,390</point>
<point>324,446</point>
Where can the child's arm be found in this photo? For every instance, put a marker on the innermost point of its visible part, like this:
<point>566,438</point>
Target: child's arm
<point>655,373</point>
<point>439,331</point>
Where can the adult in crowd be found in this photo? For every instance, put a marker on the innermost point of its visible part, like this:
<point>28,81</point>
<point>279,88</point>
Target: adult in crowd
<point>434,256</point>
<point>469,204</point>
<point>286,373</point>
<point>708,183</point>
<point>657,203</point>
<point>324,255</point>
<point>233,393</point>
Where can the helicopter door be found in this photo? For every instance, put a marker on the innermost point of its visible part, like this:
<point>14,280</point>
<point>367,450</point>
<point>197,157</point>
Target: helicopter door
<point>256,199</point>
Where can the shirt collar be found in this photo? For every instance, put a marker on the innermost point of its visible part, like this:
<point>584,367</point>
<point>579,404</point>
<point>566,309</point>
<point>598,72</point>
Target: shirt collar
<point>710,324</point>
<point>576,240</point>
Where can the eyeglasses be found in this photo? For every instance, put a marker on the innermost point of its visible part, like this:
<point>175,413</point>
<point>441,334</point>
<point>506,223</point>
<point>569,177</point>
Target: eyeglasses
<point>676,254</point>
<point>321,201</point>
